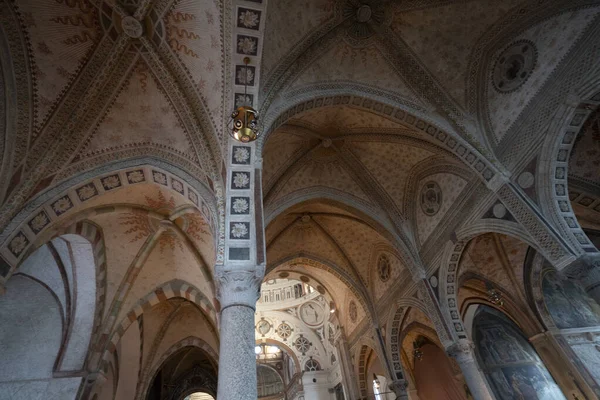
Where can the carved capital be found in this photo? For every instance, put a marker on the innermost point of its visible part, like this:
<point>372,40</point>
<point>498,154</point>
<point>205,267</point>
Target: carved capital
<point>462,351</point>
<point>585,269</point>
<point>398,387</point>
<point>238,287</point>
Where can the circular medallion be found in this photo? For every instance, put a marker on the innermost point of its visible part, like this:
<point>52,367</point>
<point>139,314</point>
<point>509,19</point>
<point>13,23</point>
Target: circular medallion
<point>284,331</point>
<point>263,327</point>
<point>132,27</point>
<point>383,268</point>
<point>499,211</point>
<point>312,313</point>
<point>353,311</point>
<point>526,180</point>
<point>284,274</point>
<point>302,344</point>
<point>514,66</point>
<point>304,279</point>
<point>431,198</point>
<point>433,281</point>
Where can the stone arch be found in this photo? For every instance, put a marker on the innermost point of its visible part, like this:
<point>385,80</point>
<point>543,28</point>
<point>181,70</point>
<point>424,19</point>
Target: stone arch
<point>284,346</point>
<point>511,308</point>
<point>553,165</point>
<point>39,215</point>
<point>450,141</point>
<point>190,341</point>
<point>362,369</point>
<point>172,289</point>
<point>359,291</point>
<point>71,269</point>
<point>369,214</point>
<point>448,276</point>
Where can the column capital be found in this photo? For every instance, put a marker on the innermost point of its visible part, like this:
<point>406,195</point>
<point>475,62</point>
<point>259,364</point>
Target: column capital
<point>462,350</point>
<point>399,387</point>
<point>583,267</point>
<point>238,287</point>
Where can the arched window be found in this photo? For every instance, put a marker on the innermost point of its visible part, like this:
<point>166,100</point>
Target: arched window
<point>312,365</point>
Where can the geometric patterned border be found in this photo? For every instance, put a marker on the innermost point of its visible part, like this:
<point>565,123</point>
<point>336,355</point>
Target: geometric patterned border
<point>64,203</point>
<point>560,176</point>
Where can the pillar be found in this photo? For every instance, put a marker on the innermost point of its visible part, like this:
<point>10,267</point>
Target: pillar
<point>586,269</point>
<point>399,387</point>
<point>349,380</point>
<point>238,291</point>
<point>463,352</point>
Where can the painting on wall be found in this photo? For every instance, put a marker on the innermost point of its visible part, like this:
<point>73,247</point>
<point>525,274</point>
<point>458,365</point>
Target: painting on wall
<point>568,304</point>
<point>511,365</point>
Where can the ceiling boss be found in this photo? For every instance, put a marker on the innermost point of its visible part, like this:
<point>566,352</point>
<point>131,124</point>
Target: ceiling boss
<point>244,118</point>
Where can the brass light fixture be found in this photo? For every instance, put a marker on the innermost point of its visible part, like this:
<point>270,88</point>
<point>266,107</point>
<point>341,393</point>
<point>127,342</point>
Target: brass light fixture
<point>244,118</point>
<point>495,297</point>
<point>417,352</point>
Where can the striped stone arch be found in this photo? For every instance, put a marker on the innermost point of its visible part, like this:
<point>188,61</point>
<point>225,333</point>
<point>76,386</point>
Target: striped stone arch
<point>362,371</point>
<point>394,344</point>
<point>93,233</point>
<point>448,276</point>
<point>190,341</point>
<point>173,289</point>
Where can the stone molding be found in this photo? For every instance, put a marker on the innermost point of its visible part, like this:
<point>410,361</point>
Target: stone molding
<point>238,287</point>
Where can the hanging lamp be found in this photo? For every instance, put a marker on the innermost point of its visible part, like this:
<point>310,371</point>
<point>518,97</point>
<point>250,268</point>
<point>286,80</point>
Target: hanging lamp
<point>245,118</point>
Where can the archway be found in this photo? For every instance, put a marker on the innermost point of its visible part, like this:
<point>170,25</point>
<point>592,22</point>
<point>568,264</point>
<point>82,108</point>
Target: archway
<point>185,373</point>
<point>59,279</point>
<point>511,365</point>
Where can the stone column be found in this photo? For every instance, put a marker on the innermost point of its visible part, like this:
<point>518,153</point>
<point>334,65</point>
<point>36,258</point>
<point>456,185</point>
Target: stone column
<point>586,269</point>
<point>348,376</point>
<point>238,291</point>
<point>399,388</point>
<point>463,352</point>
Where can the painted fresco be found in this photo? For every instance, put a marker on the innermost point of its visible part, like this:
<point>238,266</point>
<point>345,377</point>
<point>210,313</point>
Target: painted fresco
<point>511,365</point>
<point>568,304</point>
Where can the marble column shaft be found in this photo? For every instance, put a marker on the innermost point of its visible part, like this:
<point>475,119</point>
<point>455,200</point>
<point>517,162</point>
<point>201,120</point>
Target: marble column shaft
<point>238,292</point>
<point>463,352</point>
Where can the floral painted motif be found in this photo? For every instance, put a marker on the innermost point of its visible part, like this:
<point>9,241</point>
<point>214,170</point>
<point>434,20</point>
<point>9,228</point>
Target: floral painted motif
<point>248,19</point>
<point>243,99</point>
<point>244,75</point>
<point>240,205</point>
<point>241,180</point>
<point>111,182</point>
<point>247,45</point>
<point>193,197</point>
<point>241,155</point>
<point>39,222</point>
<point>87,192</point>
<point>18,244</point>
<point>136,176</point>
<point>239,230</point>
<point>159,177</point>
<point>62,205</point>
<point>177,186</point>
